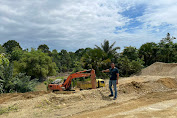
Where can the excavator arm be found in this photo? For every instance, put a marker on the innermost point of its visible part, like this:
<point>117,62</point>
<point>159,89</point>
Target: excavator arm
<point>67,83</point>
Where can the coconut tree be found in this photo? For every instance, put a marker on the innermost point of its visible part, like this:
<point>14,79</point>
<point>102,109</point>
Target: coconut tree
<point>110,50</point>
<point>95,59</point>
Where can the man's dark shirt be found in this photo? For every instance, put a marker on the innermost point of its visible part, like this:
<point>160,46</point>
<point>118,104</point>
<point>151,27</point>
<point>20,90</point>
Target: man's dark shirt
<point>113,73</point>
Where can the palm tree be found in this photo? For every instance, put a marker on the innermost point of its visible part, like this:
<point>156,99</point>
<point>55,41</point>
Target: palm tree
<point>108,49</point>
<point>97,60</point>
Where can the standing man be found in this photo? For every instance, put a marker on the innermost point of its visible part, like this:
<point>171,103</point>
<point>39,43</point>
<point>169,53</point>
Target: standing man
<point>114,72</point>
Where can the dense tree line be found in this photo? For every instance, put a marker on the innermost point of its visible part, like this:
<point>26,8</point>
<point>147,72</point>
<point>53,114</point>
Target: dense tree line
<point>20,69</point>
<point>164,51</point>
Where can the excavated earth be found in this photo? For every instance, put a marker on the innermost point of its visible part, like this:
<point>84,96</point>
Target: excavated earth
<point>151,93</point>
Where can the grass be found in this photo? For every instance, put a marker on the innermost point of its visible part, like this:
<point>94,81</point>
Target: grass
<point>8,109</point>
<point>62,77</point>
<point>47,104</point>
<point>40,87</point>
<point>43,104</point>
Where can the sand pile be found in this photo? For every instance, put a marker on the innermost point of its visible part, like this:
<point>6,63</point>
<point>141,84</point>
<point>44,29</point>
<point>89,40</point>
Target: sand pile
<point>160,69</point>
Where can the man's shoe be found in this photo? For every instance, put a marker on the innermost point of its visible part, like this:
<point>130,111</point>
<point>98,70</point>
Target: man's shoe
<point>114,98</point>
<point>110,95</point>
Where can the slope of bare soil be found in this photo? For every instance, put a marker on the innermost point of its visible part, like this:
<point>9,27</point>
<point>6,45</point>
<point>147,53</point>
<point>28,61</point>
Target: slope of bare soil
<point>168,82</point>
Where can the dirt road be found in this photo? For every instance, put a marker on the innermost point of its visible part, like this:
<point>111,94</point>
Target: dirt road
<point>159,104</point>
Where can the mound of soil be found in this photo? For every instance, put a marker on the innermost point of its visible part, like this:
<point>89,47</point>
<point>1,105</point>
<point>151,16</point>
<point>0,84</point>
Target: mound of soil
<point>160,69</point>
<point>168,82</point>
<point>131,87</point>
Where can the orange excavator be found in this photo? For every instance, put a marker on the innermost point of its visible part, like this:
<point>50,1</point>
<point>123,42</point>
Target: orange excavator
<point>67,83</point>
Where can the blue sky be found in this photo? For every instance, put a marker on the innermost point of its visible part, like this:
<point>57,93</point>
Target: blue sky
<point>70,25</point>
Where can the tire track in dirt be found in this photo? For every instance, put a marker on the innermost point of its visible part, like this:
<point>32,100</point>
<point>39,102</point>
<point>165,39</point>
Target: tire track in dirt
<point>130,107</point>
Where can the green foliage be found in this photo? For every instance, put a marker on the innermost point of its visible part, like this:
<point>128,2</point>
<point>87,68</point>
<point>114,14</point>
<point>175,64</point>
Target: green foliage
<point>130,52</point>
<point>108,49</point>
<point>55,58</point>
<point>4,63</point>
<point>35,64</point>
<point>77,67</point>
<point>22,83</point>
<point>136,66</point>
<point>44,48</point>
<point>3,60</point>
<point>68,61</point>
<point>148,52</point>
<point>47,82</point>
<point>65,61</point>
<point>167,39</point>
<point>80,52</point>
<point>124,66</point>
<point>128,67</point>
<point>16,54</point>
<point>95,59</point>
<point>62,59</point>
<point>165,51</point>
<point>8,109</point>
<point>6,75</point>
<point>19,83</point>
<point>2,50</point>
<point>9,45</point>
<point>129,61</point>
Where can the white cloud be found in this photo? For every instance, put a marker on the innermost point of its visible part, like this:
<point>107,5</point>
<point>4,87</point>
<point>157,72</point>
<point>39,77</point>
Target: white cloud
<point>157,14</point>
<point>66,24</point>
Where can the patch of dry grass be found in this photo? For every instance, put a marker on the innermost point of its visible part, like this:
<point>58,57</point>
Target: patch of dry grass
<point>48,104</point>
<point>8,109</point>
<point>40,87</point>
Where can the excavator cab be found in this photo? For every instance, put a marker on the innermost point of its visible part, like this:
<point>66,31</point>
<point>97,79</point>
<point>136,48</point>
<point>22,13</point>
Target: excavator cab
<point>57,81</point>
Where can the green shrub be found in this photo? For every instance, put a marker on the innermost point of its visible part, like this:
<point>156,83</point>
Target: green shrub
<point>47,82</point>
<point>22,83</point>
<point>35,64</point>
<point>19,83</point>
